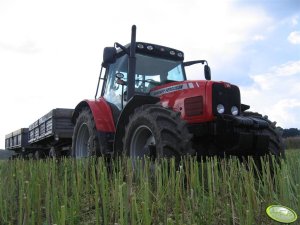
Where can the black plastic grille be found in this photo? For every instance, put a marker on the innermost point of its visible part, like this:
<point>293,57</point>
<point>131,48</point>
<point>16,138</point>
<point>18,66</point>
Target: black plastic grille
<point>227,95</point>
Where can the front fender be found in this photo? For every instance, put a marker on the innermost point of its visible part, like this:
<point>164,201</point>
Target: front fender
<point>101,111</point>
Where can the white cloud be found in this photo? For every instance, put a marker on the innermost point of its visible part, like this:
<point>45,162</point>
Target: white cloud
<point>295,20</point>
<point>276,93</point>
<point>259,37</point>
<point>294,37</point>
<point>286,111</point>
<point>267,81</point>
<point>25,47</point>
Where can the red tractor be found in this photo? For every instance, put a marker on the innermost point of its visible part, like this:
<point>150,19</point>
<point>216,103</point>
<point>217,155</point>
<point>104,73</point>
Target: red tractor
<point>148,107</point>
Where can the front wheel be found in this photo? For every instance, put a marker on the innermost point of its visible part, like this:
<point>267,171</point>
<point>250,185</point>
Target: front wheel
<point>156,132</point>
<point>84,141</point>
<point>276,146</point>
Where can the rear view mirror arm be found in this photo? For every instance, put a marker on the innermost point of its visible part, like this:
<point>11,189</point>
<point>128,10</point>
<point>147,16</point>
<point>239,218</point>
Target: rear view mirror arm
<point>194,62</point>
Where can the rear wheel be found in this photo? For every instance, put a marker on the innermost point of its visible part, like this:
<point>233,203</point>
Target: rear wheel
<point>156,132</point>
<point>84,141</point>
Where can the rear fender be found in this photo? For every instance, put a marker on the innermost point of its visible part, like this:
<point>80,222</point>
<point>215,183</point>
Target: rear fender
<point>135,101</point>
<point>101,112</point>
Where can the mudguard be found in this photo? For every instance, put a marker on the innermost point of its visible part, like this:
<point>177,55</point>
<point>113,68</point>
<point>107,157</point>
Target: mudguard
<point>101,112</point>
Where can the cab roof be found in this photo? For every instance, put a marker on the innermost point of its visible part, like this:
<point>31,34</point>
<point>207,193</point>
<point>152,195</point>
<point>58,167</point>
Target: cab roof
<point>154,50</point>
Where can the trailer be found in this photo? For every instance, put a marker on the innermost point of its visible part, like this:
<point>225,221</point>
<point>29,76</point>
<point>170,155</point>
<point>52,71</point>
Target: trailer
<point>17,141</point>
<point>50,135</point>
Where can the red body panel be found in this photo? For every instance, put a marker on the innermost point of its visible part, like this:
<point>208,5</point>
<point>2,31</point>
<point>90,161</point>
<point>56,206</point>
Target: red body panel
<point>102,115</point>
<point>172,95</point>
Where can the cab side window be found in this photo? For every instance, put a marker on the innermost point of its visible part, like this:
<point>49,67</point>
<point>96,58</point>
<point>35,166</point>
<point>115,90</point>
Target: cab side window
<point>113,91</point>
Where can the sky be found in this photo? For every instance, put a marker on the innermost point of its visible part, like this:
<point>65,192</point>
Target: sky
<point>51,51</point>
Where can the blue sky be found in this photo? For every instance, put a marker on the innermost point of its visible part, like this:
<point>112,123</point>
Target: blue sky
<point>51,51</point>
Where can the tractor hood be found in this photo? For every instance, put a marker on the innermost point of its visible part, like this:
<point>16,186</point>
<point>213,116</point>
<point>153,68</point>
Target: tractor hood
<point>179,87</point>
<point>197,100</point>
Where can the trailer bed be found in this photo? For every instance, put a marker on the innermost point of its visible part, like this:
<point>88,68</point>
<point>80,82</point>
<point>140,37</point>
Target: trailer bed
<point>17,140</point>
<point>56,125</point>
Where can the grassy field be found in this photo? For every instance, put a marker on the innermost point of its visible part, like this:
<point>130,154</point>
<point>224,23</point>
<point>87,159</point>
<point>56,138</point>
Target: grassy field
<point>68,192</point>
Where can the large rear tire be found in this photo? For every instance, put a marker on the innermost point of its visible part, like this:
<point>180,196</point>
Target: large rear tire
<point>156,132</point>
<point>84,141</point>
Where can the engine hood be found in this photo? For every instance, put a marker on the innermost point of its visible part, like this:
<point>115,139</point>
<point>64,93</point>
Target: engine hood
<point>184,95</point>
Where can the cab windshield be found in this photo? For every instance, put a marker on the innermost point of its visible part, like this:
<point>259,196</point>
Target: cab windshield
<point>158,69</point>
<point>150,72</point>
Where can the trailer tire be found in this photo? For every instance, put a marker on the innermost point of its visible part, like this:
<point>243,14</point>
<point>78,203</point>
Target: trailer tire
<point>54,153</point>
<point>37,155</point>
<point>156,132</point>
<point>84,141</point>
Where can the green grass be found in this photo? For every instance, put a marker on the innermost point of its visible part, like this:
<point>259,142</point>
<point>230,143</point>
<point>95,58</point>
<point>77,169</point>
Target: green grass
<point>87,192</point>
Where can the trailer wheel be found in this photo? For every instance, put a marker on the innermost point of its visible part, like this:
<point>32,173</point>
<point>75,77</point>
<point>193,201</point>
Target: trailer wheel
<point>37,155</point>
<point>156,132</point>
<point>84,141</point>
<point>54,153</point>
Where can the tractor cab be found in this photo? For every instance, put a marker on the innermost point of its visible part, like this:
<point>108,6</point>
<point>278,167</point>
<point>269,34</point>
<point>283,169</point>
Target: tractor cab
<point>155,66</point>
<point>138,67</point>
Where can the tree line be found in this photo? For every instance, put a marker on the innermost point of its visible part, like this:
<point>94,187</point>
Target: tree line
<point>290,132</point>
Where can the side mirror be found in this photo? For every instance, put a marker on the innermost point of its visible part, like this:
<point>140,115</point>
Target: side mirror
<point>207,72</point>
<point>109,56</point>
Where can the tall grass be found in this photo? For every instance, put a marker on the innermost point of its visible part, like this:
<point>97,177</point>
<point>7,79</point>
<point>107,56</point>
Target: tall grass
<point>89,191</point>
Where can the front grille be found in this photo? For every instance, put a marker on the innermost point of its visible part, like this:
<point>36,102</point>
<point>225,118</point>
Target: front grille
<point>227,95</point>
<point>193,106</point>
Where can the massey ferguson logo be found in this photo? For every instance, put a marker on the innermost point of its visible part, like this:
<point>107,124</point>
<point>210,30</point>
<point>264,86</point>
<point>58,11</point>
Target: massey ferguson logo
<point>169,89</point>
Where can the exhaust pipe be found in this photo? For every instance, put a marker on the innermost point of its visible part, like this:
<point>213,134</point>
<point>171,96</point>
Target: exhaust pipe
<point>131,64</point>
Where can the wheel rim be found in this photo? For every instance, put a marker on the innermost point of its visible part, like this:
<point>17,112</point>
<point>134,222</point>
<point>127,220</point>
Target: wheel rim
<point>52,153</point>
<point>142,143</point>
<point>82,141</point>
<point>37,155</point>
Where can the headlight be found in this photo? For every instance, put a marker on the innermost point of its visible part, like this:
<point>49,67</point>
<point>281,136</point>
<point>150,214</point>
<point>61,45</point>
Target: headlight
<point>220,109</point>
<point>234,110</point>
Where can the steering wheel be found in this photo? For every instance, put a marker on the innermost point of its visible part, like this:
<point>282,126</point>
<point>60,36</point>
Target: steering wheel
<point>151,81</point>
<point>143,88</point>
<point>152,84</point>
